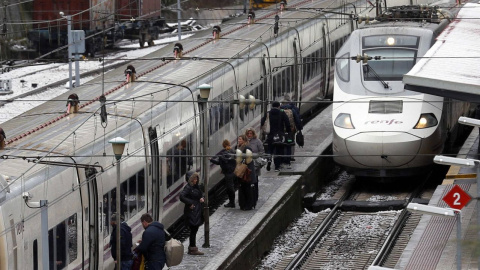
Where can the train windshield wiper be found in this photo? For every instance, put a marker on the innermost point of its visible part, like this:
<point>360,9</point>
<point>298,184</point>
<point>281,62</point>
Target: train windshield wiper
<point>367,69</point>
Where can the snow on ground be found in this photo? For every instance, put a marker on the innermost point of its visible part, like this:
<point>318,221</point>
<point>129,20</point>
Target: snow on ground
<point>43,75</point>
<point>288,240</point>
<point>334,186</point>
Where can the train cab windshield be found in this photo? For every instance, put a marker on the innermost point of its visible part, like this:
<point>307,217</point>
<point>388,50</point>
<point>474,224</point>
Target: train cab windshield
<point>397,56</point>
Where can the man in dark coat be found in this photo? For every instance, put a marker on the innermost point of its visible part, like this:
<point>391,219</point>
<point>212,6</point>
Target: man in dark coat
<point>192,197</point>
<point>125,243</point>
<point>225,158</point>
<point>287,104</point>
<point>152,245</point>
<point>279,123</point>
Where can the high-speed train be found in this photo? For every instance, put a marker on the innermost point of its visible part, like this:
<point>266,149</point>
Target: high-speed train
<point>65,162</point>
<point>381,129</point>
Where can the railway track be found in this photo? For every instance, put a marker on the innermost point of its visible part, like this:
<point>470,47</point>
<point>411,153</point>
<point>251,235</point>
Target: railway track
<point>364,227</point>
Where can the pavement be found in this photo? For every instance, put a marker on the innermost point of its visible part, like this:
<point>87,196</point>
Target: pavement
<point>231,230</point>
<point>433,244</point>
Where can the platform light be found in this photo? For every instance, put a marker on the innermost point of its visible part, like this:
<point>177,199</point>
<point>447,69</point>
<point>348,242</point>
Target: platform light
<point>469,121</point>
<point>431,210</point>
<point>452,161</point>
<point>204,90</point>
<point>374,267</point>
<point>445,212</point>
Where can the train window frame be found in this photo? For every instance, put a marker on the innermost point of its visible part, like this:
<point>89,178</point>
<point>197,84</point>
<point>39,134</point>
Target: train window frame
<point>394,59</point>
<point>343,70</point>
<point>366,39</point>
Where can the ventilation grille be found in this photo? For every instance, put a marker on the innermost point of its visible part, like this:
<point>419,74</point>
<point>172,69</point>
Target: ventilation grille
<point>385,107</point>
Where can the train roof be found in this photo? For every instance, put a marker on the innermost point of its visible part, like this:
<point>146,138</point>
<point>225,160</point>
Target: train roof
<point>47,128</point>
<point>446,69</point>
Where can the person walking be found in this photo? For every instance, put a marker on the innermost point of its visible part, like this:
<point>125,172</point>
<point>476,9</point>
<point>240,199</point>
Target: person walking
<point>279,123</point>
<point>257,147</point>
<point>293,114</point>
<point>152,245</point>
<point>192,197</point>
<point>225,158</point>
<point>245,192</point>
<point>125,243</point>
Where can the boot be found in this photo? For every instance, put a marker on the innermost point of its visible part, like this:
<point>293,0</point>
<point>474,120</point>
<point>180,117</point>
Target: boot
<point>194,251</point>
<point>229,205</point>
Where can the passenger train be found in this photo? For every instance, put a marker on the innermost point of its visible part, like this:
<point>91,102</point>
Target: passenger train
<point>65,161</point>
<point>380,128</point>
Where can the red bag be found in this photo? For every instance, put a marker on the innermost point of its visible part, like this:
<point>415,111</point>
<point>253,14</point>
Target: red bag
<point>247,175</point>
<point>138,261</point>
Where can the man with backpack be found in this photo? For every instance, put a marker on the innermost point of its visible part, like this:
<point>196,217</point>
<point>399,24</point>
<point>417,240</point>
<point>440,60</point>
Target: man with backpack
<point>226,159</point>
<point>279,123</point>
<point>293,114</point>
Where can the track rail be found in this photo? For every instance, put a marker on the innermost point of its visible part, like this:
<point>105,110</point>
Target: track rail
<point>324,249</point>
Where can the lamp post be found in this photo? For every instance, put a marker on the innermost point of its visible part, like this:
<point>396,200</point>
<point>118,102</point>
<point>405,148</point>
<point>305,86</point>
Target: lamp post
<point>448,212</point>
<point>202,103</point>
<point>70,41</point>
<point>118,144</point>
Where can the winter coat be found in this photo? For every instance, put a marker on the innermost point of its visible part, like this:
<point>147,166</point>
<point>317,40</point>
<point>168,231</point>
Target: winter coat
<point>153,243</point>
<point>226,160</point>
<point>191,195</point>
<point>296,115</point>
<point>279,122</point>
<point>256,145</point>
<point>125,242</point>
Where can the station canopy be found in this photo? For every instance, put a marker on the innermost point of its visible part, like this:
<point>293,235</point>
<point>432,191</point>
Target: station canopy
<point>451,68</point>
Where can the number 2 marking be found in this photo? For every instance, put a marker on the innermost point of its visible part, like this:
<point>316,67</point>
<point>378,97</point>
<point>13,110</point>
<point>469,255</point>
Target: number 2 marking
<point>456,195</point>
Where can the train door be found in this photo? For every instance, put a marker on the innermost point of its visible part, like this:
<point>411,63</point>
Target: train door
<point>94,219</point>
<point>155,168</point>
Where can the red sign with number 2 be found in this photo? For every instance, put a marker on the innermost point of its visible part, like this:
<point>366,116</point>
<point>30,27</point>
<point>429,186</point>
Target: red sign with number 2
<point>457,198</point>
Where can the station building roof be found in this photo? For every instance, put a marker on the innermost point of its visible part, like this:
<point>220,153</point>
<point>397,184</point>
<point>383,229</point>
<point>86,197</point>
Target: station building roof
<point>451,68</point>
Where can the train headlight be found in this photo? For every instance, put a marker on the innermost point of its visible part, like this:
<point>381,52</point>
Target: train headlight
<point>426,120</point>
<point>343,120</point>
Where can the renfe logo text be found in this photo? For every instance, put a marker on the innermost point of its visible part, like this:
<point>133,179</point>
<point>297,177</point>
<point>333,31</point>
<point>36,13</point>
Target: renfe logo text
<point>388,122</point>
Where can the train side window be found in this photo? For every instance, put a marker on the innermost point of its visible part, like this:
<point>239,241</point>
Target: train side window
<point>107,212</point>
<point>72,238</point>
<point>35,254</point>
<point>179,160</point>
<point>57,241</point>
<point>275,94</point>
<point>215,116</point>
<point>226,109</point>
<point>141,198</point>
<point>343,67</point>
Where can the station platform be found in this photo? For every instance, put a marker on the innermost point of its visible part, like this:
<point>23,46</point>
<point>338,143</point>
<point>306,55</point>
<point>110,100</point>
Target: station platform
<point>433,244</point>
<point>238,238</point>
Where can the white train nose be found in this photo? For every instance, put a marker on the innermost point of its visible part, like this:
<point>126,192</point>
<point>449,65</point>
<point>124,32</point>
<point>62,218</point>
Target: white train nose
<point>383,149</point>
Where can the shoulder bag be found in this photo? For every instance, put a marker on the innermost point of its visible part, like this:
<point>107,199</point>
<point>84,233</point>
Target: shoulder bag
<point>266,125</point>
<point>240,170</point>
<point>299,138</point>
<point>247,175</point>
<point>173,251</point>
